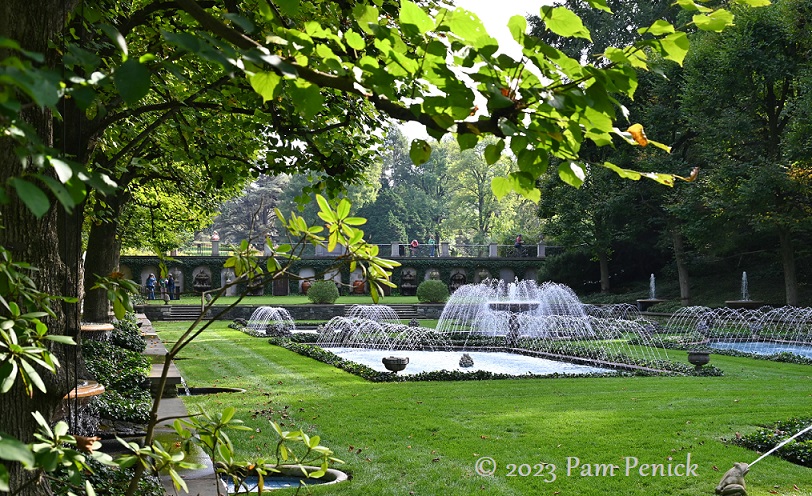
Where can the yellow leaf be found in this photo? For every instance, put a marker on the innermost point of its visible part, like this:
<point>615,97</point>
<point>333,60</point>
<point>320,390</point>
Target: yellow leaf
<point>636,130</point>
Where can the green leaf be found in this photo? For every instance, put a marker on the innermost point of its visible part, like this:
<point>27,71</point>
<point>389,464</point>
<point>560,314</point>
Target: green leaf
<point>716,21</point>
<point>675,47</point>
<point>412,15</point>
<point>518,27</point>
<point>15,451</point>
<point>658,28</point>
<point>624,173</point>
<point>289,8</point>
<point>33,197</point>
<point>8,374</point>
<point>599,4</point>
<point>60,192</point>
<point>132,80</point>
<point>265,83</point>
<point>63,171</point>
<point>564,22</point>
<point>501,186</point>
<point>466,25</point>
<point>306,98</point>
<point>690,5</point>
<point>572,174</point>
<point>420,151</point>
<point>354,40</point>
<point>117,38</point>
<point>753,3</point>
<point>493,152</point>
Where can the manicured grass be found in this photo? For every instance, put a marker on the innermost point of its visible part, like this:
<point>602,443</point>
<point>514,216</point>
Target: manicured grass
<point>288,300</point>
<point>425,438</point>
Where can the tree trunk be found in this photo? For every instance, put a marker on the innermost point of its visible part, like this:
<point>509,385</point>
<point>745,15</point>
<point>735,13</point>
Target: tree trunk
<point>102,258</point>
<point>682,267</point>
<point>788,261</point>
<point>37,241</point>
<point>603,261</point>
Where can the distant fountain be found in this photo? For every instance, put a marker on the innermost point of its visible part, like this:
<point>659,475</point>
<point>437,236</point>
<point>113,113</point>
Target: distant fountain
<point>763,331</point>
<point>745,302</point>
<point>270,321</point>
<point>644,304</point>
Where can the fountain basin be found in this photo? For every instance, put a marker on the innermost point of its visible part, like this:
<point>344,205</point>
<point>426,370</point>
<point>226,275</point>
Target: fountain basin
<point>748,304</point>
<point>644,304</point>
<point>764,347</point>
<point>513,306</point>
<point>96,332</point>
<point>495,362</point>
<point>287,477</point>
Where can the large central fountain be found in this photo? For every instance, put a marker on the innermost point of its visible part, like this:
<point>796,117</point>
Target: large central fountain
<point>497,318</point>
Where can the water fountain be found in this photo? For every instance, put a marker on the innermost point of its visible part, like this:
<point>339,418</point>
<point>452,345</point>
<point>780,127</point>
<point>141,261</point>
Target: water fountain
<point>745,301</point>
<point>763,331</point>
<point>496,322</point>
<point>546,318</point>
<point>652,299</point>
<point>270,321</point>
<point>76,408</point>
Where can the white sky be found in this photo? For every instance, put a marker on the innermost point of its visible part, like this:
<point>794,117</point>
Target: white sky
<point>495,15</point>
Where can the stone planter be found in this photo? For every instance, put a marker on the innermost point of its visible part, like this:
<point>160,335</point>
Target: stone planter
<point>395,364</point>
<point>698,358</point>
<point>96,332</point>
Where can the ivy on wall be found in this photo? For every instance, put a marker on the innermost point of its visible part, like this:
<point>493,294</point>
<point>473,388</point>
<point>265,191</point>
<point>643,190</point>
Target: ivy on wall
<point>446,267</point>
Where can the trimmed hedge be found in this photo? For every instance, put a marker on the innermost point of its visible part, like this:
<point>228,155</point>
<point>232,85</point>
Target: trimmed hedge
<point>323,291</point>
<point>431,291</point>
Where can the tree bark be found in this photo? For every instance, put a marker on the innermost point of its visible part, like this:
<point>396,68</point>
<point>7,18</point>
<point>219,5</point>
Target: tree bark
<point>603,262</point>
<point>102,258</point>
<point>682,267</point>
<point>788,261</point>
<point>37,241</point>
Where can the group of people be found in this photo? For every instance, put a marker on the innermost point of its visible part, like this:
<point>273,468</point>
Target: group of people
<point>518,246</point>
<point>414,245</point>
<point>166,286</point>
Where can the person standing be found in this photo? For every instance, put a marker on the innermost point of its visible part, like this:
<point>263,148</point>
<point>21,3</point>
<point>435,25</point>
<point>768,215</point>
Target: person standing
<point>170,286</point>
<point>431,247</point>
<point>151,286</point>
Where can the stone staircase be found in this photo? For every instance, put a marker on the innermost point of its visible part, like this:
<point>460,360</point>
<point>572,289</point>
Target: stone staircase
<point>184,312</point>
<point>406,312</point>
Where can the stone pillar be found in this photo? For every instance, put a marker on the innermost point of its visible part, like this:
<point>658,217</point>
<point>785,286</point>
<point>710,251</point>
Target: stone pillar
<point>542,248</point>
<point>395,249</point>
<point>444,249</point>
<point>491,250</point>
<point>215,244</point>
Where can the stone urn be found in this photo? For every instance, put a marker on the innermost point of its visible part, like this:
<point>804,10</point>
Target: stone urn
<point>395,364</point>
<point>698,358</point>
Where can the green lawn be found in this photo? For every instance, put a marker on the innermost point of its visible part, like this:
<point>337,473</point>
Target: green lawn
<point>425,438</point>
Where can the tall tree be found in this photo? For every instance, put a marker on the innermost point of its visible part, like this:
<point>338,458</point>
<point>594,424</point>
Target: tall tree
<point>394,57</point>
<point>744,97</point>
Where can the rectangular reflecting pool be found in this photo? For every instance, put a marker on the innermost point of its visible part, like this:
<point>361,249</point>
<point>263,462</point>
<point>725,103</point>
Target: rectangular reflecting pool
<point>763,348</point>
<point>495,362</point>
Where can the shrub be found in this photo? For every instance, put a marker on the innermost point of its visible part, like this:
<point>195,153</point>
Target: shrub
<point>432,291</point>
<point>127,334</point>
<point>323,292</point>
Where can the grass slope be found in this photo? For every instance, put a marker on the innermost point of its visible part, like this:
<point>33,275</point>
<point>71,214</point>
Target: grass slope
<point>425,438</point>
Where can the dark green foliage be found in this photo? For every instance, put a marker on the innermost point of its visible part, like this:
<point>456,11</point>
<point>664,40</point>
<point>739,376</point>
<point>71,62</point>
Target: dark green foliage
<point>132,406</point>
<point>797,451</point>
<point>432,291</point>
<point>111,481</point>
<point>127,334</point>
<point>115,367</point>
<point>322,292</point>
